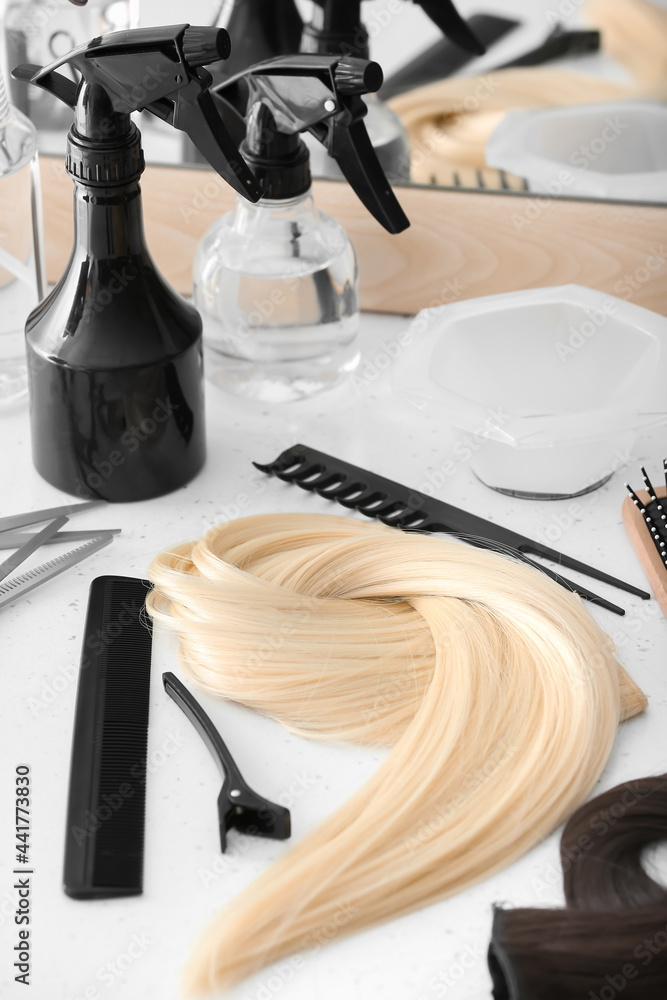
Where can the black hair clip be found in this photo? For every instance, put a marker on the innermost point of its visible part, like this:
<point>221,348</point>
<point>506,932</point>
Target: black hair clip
<point>238,806</point>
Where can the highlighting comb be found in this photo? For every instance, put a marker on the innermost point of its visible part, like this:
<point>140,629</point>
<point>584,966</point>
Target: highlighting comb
<point>401,507</point>
<point>238,806</point>
<point>645,519</point>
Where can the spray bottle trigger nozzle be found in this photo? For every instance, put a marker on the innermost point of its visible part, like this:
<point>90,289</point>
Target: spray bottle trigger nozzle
<point>55,83</point>
<point>319,94</point>
<point>160,70</point>
<point>202,46</point>
<point>358,76</point>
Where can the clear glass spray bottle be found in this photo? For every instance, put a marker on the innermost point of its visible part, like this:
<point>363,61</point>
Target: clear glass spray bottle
<point>276,283</point>
<point>277,286</point>
<point>21,244</point>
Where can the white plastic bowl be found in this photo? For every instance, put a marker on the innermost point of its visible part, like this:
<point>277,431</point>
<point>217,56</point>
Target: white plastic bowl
<point>550,385</point>
<point>613,150</point>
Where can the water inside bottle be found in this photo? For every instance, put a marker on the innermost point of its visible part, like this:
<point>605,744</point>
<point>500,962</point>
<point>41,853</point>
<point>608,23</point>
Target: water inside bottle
<point>283,333</point>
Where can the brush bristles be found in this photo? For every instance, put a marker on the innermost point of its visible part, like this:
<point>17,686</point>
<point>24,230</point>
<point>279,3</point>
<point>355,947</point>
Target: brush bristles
<point>650,489</point>
<point>635,499</point>
<point>653,513</point>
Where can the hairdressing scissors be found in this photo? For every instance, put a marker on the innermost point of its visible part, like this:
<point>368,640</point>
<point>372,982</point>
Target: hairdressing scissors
<point>25,543</point>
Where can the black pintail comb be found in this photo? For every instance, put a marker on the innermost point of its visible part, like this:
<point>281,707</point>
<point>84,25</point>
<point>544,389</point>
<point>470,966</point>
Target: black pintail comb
<point>239,807</point>
<point>401,507</point>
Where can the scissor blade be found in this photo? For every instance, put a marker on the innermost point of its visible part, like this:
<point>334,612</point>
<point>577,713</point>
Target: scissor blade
<point>28,547</point>
<point>37,516</point>
<point>14,539</point>
<point>18,586</point>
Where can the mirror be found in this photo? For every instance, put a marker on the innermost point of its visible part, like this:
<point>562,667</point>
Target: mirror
<point>553,108</point>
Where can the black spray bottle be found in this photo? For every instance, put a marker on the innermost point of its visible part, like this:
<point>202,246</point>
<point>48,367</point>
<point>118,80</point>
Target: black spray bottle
<point>114,354</point>
<point>266,29</point>
<point>259,29</point>
<point>336,28</point>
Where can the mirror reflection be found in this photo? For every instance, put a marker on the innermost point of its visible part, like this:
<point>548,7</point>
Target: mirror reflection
<point>555,97</point>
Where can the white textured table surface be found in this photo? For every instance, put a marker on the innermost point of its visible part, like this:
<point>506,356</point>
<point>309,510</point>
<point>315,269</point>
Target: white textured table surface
<point>125,950</point>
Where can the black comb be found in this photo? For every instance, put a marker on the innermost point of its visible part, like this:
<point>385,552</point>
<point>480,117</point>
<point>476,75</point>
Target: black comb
<point>444,58</point>
<point>238,806</point>
<point>401,507</point>
<point>104,843</point>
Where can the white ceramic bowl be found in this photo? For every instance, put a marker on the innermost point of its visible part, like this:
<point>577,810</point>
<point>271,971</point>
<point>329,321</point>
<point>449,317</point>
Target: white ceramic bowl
<point>613,150</point>
<point>549,386</point>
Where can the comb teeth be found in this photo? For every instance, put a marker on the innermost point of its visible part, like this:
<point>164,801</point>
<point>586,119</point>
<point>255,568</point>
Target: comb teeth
<point>399,506</point>
<point>352,493</point>
<point>653,513</point>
